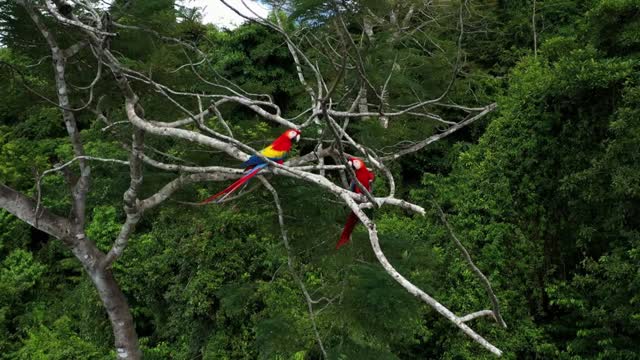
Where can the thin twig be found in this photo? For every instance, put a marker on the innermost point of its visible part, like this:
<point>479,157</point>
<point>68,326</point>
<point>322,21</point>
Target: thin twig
<point>483,279</point>
<point>285,240</point>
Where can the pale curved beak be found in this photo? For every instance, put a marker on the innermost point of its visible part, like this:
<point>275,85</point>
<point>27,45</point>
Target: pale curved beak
<point>350,163</point>
<point>298,138</point>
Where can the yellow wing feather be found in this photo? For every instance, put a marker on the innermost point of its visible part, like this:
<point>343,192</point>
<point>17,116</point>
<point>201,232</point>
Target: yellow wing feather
<point>273,154</point>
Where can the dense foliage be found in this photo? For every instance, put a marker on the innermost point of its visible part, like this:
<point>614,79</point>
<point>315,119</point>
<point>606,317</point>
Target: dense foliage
<point>545,195</point>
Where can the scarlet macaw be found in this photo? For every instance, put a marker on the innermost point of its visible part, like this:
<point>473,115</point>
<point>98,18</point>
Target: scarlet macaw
<point>365,177</point>
<point>277,151</point>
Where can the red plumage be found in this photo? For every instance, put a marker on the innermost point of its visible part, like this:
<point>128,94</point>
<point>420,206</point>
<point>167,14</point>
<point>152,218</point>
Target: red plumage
<point>234,186</point>
<point>365,177</point>
<point>352,221</point>
<point>283,142</point>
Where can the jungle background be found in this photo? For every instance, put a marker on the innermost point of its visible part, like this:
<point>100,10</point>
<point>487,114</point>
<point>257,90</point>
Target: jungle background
<point>544,192</point>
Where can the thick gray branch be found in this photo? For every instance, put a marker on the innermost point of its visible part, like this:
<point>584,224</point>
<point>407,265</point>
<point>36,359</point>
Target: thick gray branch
<point>182,134</point>
<point>24,208</point>
<point>411,288</point>
<point>477,314</point>
<point>175,185</point>
<point>130,198</point>
<point>81,187</point>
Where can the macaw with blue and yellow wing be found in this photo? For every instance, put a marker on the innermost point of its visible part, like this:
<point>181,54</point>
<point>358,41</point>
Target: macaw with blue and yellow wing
<point>277,152</point>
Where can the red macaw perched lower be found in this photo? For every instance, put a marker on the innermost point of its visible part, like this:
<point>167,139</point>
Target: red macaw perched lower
<point>277,151</point>
<point>365,177</point>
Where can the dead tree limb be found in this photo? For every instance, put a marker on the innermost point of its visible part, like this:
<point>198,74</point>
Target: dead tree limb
<point>483,279</point>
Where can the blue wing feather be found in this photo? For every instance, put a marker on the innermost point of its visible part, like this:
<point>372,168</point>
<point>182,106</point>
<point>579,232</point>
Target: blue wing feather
<point>252,161</point>
<point>255,160</point>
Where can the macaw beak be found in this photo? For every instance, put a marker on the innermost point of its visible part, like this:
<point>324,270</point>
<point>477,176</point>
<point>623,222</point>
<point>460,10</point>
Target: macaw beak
<point>298,138</point>
<point>350,163</point>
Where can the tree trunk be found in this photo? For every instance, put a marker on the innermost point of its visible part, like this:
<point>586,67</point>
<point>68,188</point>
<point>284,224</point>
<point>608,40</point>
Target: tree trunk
<point>91,258</point>
<point>114,301</point>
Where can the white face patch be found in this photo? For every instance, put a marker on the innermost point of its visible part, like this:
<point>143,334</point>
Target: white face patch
<point>357,164</point>
<point>292,134</point>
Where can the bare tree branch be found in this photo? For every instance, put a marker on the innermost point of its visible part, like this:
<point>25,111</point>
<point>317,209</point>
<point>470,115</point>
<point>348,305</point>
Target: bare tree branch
<point>130,199</point>
<point>483,279</point>
<point>81,186</point>
<point>294,273</point>
<point>411,288</point>
<point>176,184</point>
<point>24,208</point>
<point>441,135</point>
<point>72,22</point>
<point>477,314</point>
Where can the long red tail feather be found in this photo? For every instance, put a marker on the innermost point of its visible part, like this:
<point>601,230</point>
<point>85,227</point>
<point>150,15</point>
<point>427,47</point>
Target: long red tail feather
<point>352,221</point>
<point>233,187</point>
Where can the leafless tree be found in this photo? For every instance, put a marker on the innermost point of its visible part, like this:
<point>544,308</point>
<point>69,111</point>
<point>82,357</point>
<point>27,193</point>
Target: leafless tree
<point>96,28</point>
